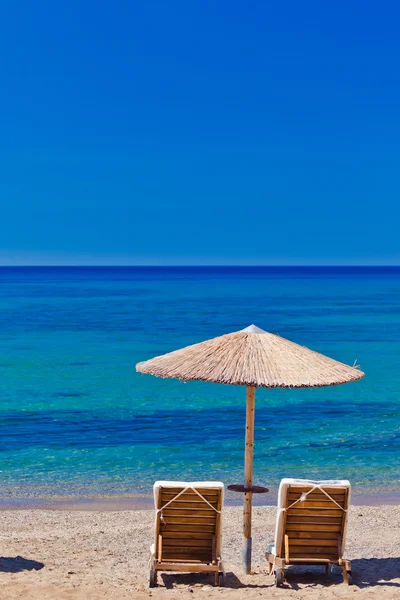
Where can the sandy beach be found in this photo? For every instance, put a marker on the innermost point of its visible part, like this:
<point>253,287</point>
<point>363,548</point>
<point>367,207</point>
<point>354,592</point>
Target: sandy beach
<point>53,554</point>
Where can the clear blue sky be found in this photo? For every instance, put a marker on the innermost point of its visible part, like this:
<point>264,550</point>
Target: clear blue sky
<point>199,132</point>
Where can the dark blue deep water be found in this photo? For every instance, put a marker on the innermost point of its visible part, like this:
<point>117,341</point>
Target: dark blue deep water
<point>75,417</point>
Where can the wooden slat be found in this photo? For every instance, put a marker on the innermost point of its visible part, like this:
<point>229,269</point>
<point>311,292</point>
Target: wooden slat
<point>191,552</point>
<point>185,527</point>
<point>203,491</point>
<point>188,553</point>
<point>311,550</point>
<point>184,565</point>
<point>190,547</point>
<point>196,520</point>
<point>181,504</point>
<point>195,566</point>
<point>188,512</point>
<point>312,527</point>
<point>308,561</point>
<point>195,501</point>
<point>211,497</point>
<point>181,543</point>
<point>302,556</point>
<point>315,512</point>
<point>189,535</point>
<point>312,560</point>
<point>190,498</point>
<point>207,559</point>
<point>317,493</point>
<point>325,504</point>
<point>292,497</point>
<point>312,535</point>
<point>200,554</point>
<point>186,556</point>
<point>318,521</point>
<point>313,542</point>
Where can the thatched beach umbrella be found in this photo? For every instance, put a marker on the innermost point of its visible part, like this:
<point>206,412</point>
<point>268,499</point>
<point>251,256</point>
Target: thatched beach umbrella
<point>254,358</point>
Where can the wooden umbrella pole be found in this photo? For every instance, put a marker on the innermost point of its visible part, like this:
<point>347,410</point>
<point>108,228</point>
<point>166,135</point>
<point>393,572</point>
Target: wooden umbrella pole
<point>248,479</point>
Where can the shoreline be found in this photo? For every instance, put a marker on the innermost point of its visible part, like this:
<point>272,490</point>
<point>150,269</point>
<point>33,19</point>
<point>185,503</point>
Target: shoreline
<point>136,502</point>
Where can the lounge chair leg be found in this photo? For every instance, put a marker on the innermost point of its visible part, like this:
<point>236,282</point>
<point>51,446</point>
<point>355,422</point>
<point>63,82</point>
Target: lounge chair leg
<point>279,576</point>
<point>153,578</point>
<point>347,572</point>
<point>344,573</point>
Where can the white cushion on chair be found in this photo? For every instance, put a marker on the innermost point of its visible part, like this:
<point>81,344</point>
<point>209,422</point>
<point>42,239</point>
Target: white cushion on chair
<point>271,549</point>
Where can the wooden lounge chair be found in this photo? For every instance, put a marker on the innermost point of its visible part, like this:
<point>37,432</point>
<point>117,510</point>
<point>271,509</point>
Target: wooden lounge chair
<point>310,526</point>
<point>187,528</point>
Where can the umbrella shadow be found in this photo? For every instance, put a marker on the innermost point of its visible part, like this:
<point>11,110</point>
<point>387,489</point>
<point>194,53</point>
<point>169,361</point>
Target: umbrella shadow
<point>17,564</point>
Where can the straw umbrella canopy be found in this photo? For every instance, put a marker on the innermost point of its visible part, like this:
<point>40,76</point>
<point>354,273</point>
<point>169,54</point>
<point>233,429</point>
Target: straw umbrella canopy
<point>254,358</point>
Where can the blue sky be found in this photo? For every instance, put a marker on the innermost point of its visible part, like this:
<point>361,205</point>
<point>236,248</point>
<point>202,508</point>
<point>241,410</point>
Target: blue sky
<point>199,132</point>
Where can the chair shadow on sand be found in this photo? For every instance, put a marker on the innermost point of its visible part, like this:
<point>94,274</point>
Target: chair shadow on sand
<point>17,564</point>
<point>202,579</point>
<point>366,572</point>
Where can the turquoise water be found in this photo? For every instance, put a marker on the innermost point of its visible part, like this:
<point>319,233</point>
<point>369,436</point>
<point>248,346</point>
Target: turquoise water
<point>75,417</point>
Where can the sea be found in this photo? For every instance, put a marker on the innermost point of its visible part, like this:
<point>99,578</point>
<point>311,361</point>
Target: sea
<point>77,420</point>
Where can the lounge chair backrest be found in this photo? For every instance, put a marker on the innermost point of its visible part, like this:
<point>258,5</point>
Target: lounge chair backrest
<point>312,519</point>
<point>188,521</point>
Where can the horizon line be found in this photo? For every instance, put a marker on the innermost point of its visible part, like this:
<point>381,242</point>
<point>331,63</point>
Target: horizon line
<point>197,266</point>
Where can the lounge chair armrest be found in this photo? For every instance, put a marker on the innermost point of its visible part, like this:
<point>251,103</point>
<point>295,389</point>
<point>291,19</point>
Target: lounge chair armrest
<point>286,547</point>
<point>340,553</point>
<point>160,547</point>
